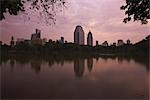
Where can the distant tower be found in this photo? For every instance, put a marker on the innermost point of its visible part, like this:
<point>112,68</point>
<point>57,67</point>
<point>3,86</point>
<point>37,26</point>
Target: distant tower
<point>36,35</point>
<point>90,39</point>
<point>12,43</point>
<point>97,43</point>
<point>79,35</point>
<point>128,42</point>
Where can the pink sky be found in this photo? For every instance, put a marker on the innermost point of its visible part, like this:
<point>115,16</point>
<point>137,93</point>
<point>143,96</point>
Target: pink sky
<point>102,17</point>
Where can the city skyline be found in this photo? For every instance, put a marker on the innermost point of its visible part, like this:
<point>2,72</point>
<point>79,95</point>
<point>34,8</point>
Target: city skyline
<point>78,39</point>
<point>104,23</point>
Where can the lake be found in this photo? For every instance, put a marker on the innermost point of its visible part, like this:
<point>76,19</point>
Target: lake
<point>90,77</point>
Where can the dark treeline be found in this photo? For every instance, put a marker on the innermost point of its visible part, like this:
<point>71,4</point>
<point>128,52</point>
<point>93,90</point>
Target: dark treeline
<point>139,49</point>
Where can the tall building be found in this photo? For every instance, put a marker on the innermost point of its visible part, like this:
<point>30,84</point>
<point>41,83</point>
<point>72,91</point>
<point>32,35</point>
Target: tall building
<point>79,35</point>
<point>36,35</point>
<point>90,39</point>
<point>36,38</point>
<point>12,42</point>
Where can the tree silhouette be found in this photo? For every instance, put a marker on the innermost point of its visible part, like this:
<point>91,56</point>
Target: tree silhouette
<point>138,10</point>
<point>46,8</point>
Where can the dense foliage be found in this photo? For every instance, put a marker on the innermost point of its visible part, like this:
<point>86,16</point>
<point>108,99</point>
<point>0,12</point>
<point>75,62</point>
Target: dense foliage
<point>45,8</point>
<point>141,48</point>
<point>138,10</point>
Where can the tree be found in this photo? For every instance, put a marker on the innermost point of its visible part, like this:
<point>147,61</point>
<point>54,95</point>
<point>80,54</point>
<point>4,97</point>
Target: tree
<point>138,10</point>
<point>46,8</point>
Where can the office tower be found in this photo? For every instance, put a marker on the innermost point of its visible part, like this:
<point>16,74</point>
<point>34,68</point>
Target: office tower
<point>12,42</point>
<point>79,35</point>
<point>36,35</point>
<point>90,39</point>
<point>36,38</point>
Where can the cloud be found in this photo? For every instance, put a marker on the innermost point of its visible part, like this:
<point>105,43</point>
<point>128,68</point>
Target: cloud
<point>103,17</point>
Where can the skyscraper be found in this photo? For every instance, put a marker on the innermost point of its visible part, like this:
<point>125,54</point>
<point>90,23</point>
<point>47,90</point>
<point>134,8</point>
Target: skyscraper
<point>12,43</point>
<point>90,39</point>
<point>79,35</point>
<point>37,35</point>
<point>36,38</point>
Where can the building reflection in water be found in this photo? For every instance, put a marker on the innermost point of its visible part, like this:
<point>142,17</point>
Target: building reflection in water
<point>120,60</point>
<point>79,63</point>
<point>36,65</point>
<point>51,63</point>
<point>79,67</point>
<point>90,64</point>
<point>12,63</point>
<point>97,58</point>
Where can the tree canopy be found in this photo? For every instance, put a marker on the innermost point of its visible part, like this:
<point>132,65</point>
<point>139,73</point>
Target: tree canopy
<point>46,8</point>
<point>138,10</point>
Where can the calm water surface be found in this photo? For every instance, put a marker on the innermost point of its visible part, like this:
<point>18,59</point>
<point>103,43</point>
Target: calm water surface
<point>99,78</point>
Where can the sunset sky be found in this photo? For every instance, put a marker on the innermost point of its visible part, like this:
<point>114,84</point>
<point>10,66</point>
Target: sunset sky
<point>102,17</point>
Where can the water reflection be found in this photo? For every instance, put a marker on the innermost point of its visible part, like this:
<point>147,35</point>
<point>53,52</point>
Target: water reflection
<point>12,62</point>
<point>79,63</point>
<point>50,63</point>
<point>79,66</point>
<point>36,65</point>
<point>90,64</point>
<point>55,77</point>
